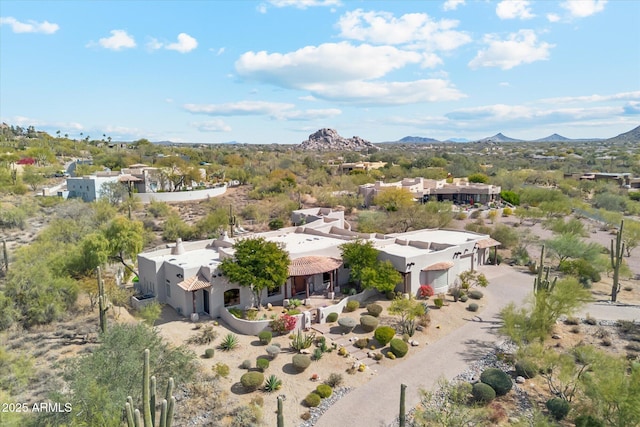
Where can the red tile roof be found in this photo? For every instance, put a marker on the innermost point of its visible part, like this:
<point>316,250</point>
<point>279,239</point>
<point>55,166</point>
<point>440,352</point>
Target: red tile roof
<point>194,283</point>
<point>310,265</point>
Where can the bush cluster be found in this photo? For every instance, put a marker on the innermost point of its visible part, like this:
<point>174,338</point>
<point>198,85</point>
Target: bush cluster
<point>262,363</point>
<point>368,323</point>
<point>252,380</point>
<point>438,302</point>
<point>312,400</point>
<point>301,362</point>
<point>473,307</point>
<point>526,369</point>
<point>332,317</point>
<point>347,324</point>
<point>558,408</point>
<point>374,309</point>
<point>265,337</point>
<point>352,305</point>
<point>498,380</point>
<point>324,391</point>
<point>483,393</point>
<point>208,353</point>
<point>398,347</point>
<point>475,294</point>
<point>384,334</point>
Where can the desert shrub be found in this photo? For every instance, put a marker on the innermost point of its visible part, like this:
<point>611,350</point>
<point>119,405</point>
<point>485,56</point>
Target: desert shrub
<point>438,302</point>
<point>257,400</point>
<point>272,384</point>
<point>558,408</point>
<point>497,379</point>
<point>347,324</point>
<point>236,312</point>
<point>206,336</point>
<point>352,305</point>
<point>425,291</point>
<point>456,293</point>
<point>312,400</point>
<point>464,298</point>
<point>317,354</point>
<point>301,362</point>
<point>262,363</point>
<point>473,307</point>
<point>581,268</point>
<point>324,391</point>
<point>526,369</point>
<point>332,317</point>
<point>572,321</point>
<point>306,416</point>
<point>507,211</point>
<point>265,337</point>
<point>246,415</point>
<point>590,320</point>
<point>272,351</point>
<point>361,343</point>
<point>293,312</point>
<point>252,380</point>
<point>208,353</point>
<point>221,370</point>
<point>368,323</point>
<point>374,309</point>
<point>588,421</point>
<point>334,380</point>
<point>398,347</point>
<point>475,294</point>
<point>384,334</point>
<point>246,364</point>
<point>483,393</point>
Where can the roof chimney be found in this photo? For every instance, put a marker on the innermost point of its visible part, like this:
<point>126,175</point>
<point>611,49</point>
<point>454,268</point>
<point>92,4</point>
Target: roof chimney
<point>178,249</point>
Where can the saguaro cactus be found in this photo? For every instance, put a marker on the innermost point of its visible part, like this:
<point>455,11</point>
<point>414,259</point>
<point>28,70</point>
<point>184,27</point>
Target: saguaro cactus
<point>402,417</point>
<point>232,221</point>
<point>103,307</point>
<point>5,256</point>
<point>542,282</point>
<point>280,414</point>
<point>617,251</point>
<point>148,416</point>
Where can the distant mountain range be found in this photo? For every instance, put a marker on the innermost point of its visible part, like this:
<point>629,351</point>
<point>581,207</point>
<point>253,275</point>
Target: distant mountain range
<point>631,136</point>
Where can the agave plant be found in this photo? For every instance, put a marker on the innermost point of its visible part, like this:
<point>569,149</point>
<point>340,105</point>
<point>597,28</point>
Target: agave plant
<point>229,342</point>
<point>272,383</point>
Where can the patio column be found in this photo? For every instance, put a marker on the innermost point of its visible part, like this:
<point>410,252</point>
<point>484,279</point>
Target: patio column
<point>193,297</point>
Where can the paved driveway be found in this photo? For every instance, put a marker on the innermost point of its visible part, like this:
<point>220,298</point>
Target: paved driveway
<point>376,403</point>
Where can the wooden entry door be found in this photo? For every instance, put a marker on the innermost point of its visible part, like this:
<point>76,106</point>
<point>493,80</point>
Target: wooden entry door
<point>205,300</point>
<point>299,285</point>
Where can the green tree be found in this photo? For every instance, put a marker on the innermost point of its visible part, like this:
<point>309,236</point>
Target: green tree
<point>100,382</point>
<point>409,309</point>
<point>392,199</point>
<point>93,251</point>
<point>258,264</point>
<point>32,177</point>
<point>506,235</point>
<point>566,246</point>
<point>358,256</point>
<point>126,240</point>
<point>383,276</point>
<point>478,178</point>
<point>631,235</point>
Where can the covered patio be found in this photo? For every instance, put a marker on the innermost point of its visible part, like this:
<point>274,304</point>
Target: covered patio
<point>193,285</point>
<point>312,274</point>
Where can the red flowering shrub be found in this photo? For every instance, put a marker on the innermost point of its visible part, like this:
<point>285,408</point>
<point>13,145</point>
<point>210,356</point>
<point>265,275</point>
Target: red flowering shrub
<point>283,324</point>
<point>425,291</point>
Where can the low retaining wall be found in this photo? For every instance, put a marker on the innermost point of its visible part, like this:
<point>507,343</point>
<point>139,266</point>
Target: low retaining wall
<point>323,312</point>
<point>139,303</point>
<point>253,327</point>
<point>182,196</point>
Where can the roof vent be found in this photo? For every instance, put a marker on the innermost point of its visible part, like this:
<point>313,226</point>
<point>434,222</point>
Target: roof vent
<point>178,249</point>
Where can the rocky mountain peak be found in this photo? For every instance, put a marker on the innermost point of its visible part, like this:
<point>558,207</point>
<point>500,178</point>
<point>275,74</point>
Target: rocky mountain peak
<point>329,140</point>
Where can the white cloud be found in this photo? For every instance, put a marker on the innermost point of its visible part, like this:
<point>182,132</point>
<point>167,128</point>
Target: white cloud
<point>119,40</point>
<point>388,93</point>
<point>329,62</point>
<point>274,110</point>
<point>154,44</point>
<point>220,51</point>
<point>452,4</point>
<point>409,29</point>
<point>519,48</point>
<point>30,26</point>
<point>262,8</point>
<point>303,4</point>
<point>185,44</point>
<point>511,9</point>
<point>214,125</point>
<point>622,96</point>
<point>584,8</point>
<point>552,17</point>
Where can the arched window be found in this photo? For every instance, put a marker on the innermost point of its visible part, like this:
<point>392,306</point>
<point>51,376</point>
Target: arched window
<point>232,297</point>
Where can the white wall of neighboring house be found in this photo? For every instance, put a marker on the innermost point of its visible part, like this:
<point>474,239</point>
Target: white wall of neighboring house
<point>88,188</point>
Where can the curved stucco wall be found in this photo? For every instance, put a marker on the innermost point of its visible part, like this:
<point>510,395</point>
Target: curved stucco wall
<point>182,196</point>
<point>251,327</point>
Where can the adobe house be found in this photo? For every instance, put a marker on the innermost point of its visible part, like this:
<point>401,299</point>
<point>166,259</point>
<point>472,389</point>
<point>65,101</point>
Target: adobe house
<point>185,275</point>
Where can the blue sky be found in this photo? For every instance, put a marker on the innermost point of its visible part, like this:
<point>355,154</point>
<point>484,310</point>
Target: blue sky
<point>276,71</point>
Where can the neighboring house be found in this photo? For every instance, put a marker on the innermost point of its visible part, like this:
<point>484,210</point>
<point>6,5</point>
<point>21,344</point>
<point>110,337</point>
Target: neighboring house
<point>89,188</point>
<point>459,191</point>
<point>361,166</point>
<point>186,275</point>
